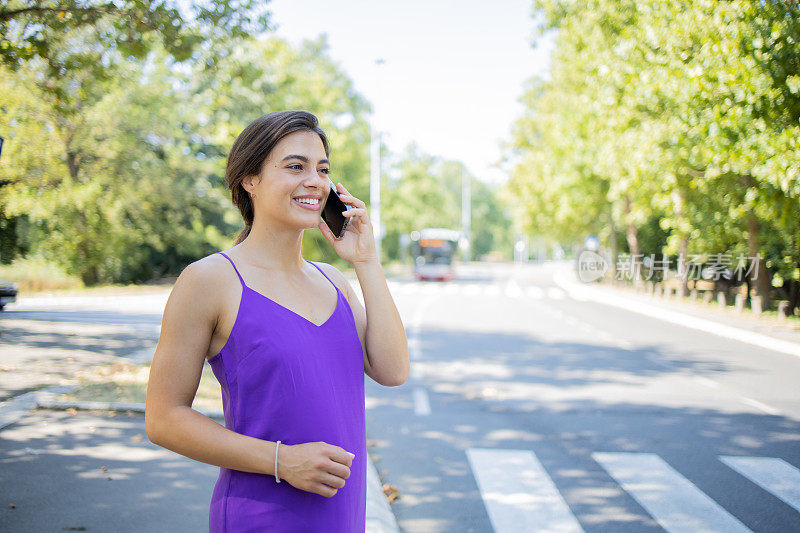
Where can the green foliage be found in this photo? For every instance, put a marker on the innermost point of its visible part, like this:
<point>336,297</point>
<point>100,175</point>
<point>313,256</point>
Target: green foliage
<point>127,182</point>
<point>676,111</point>
<point>33,28</point>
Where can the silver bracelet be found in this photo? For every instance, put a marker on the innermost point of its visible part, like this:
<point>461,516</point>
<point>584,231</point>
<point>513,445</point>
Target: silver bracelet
<point>276,462</point>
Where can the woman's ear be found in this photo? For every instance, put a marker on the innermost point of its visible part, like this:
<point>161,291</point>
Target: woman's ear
<point>248,184</point>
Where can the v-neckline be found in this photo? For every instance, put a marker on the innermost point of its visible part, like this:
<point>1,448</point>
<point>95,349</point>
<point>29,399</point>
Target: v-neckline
<point>336,308</point>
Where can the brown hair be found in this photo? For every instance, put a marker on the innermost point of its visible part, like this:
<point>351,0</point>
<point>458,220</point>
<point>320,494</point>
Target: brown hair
<point>252,147</point>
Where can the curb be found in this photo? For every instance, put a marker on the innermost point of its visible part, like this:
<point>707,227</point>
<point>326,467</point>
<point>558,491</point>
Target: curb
<point>17,408</point>
<point>380,518</point>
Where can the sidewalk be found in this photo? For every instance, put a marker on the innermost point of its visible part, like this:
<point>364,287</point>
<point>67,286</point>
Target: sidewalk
<point>764,332</point>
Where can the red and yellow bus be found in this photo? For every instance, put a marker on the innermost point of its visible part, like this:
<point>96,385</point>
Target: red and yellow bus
<point>434,251</point>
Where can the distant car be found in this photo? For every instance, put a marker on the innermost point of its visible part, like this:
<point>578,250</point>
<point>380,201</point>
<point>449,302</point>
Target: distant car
<point>8,293</point>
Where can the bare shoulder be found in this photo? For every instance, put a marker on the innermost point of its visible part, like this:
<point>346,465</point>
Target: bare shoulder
<point>205,273</point>
<point>336,277</point>
<point>198,284</point>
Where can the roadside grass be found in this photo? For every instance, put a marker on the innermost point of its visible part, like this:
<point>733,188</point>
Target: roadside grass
<point>127,383</point>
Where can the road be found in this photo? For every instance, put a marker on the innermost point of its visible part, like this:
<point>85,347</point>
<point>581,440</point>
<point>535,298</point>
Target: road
<point>530,410</point>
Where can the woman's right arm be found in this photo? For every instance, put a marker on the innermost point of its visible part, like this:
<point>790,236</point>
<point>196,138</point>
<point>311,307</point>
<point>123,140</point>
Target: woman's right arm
<point>190,317</point>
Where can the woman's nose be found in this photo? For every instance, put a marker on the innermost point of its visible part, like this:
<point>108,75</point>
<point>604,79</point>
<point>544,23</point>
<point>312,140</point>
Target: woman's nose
<point>317,178</point>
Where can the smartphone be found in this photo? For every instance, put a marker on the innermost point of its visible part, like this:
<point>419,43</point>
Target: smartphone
<point>332,213</point>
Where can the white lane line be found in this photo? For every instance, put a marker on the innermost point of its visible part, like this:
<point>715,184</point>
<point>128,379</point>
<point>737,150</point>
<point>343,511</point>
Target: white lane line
<point>518,493</point>
<point>675,503</point>
<point>706,382</point>
<point>607,297</point>
<point>761,406</point>
<point>422,406</point>
<point>771,473</point>
<point>534,293</point>
<point>472,289</point>
<point>491,290</point>
<point>554,293</point>
<point>430,288</point>
<point>513,290</point>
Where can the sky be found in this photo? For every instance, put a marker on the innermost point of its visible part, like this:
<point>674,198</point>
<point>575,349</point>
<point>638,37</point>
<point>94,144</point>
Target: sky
<point>452,72</point>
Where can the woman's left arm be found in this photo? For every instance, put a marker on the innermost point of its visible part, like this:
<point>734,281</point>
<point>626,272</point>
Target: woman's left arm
<point>380,329</point>
<point>386,359</point>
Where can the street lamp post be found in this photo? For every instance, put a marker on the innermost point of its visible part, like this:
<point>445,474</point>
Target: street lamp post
<point>465,215</point>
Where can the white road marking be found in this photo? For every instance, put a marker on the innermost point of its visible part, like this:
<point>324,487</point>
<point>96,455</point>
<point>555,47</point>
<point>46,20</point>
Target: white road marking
<point>422,406</point>
<point>534,292</point>
<point>706,382</point>
<point>554,293</point>
<point>671,499</point>
<point>472,289</point>
<point>771,473</point>
<point>518,493</point>
<point>513,290</point>
<point>761,406</point>
<point>491,290</point>
<point>430,288</point>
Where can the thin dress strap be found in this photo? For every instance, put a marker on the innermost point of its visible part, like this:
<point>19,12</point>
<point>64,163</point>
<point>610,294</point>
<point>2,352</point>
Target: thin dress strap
<point>234,267</point>
<point>323,273</point>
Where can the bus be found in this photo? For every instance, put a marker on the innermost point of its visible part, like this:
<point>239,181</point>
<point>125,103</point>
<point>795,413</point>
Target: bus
<point>433,251</point>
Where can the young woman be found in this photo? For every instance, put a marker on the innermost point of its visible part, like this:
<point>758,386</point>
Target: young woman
<point>288,341</point>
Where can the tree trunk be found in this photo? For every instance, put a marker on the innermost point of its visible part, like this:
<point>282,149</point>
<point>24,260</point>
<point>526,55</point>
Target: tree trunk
<point>632,236</point>
<point>683,267</point>
<point>636,260</point>
<point>614,244</point>
<point>758,276</point>
<point>683,247</point>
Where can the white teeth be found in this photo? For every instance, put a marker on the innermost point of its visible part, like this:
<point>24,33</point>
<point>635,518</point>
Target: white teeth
<point>312,201</point>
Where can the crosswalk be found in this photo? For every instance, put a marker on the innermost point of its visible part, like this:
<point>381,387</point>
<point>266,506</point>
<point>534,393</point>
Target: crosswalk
<point>508,289</point>
<point>520,496</point>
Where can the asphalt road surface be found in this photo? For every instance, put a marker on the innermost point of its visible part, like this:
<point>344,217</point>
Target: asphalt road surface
<point>530,410</point>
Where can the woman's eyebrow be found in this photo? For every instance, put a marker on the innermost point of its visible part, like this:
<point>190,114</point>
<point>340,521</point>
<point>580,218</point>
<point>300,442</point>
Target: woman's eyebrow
<point>302,158</point>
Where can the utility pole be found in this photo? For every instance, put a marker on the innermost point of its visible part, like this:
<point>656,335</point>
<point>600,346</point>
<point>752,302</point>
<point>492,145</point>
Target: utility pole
<point>465,215</point>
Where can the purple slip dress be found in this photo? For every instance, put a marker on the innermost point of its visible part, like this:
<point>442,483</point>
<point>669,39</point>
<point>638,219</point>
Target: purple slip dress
<point>285,378</point>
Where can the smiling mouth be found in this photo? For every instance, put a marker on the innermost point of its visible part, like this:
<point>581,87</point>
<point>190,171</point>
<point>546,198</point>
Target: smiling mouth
<point>311,204</point>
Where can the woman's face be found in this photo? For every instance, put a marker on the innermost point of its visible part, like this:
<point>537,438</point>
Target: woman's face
<point>296,167</point>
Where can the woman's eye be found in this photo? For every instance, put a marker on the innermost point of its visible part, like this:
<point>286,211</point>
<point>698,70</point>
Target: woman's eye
<point>325,170</point>
<point>296,167</point>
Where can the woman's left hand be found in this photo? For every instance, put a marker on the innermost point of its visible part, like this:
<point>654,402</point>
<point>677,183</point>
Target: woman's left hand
<point>357,245</point>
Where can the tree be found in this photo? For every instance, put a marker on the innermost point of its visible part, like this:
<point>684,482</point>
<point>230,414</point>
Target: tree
<point>30,29</point>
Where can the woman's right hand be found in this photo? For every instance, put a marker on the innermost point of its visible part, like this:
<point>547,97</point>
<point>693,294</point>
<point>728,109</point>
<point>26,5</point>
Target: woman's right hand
<point>316,467</point>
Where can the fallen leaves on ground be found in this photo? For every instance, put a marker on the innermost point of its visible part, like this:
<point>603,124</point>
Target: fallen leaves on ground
<point>391,492</point>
